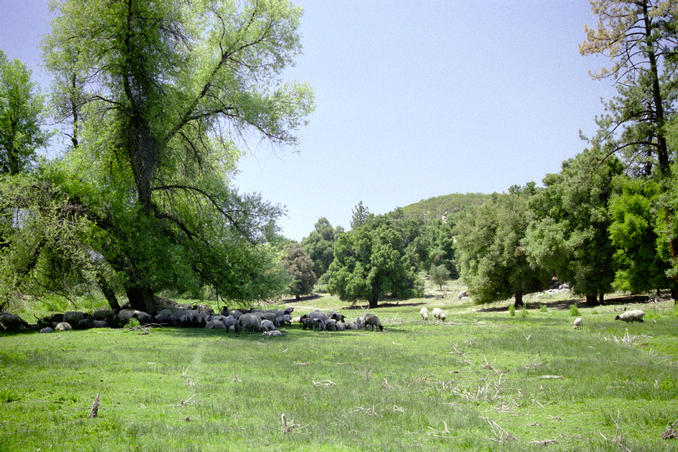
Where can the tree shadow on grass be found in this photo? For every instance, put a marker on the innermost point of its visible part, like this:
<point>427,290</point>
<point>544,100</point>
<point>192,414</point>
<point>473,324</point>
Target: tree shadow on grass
<point>365,307</point>
<point>565,304</point>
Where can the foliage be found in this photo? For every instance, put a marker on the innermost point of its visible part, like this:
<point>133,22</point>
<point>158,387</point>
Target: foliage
<point>439,274</point>
<point>574,311</point>
<point>569,234</point>
<point>320,245</point>
<point>21,115</point>
<point>512,310</point>
<point>158,95</point>
<point>299,267</point>
<point>372,262</point>
<point>434,246</point>
<point>360,215</point>
<point>635,233</point>
<point>444,208</point>
<point>492,260</point>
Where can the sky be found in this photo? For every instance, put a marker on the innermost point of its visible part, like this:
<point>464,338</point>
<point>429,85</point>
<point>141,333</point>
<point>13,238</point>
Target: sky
<point>414,99</point>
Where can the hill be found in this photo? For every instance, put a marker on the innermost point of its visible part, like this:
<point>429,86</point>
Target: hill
<point>443,206</point>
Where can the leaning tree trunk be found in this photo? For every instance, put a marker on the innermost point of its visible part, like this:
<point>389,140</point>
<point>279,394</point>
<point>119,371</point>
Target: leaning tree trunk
<point>518,299</point>
<point>108,291</point>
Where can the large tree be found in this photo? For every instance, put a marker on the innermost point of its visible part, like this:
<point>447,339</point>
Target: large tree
<point>493,261</point>
<point>640,38</point>
<point>21,115</point>
<point>299,267</point>
<point>569,234</point>
<point>160,94</point>
<point>320,245</point>
<point>371,262</point>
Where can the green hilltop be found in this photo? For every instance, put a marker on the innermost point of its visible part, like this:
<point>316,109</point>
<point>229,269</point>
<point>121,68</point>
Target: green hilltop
<point>438,207</point>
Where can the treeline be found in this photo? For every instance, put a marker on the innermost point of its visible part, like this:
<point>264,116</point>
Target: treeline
<point>605,222</point>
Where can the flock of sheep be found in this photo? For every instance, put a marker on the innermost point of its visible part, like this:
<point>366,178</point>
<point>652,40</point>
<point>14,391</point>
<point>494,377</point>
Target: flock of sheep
<point>266,322</point>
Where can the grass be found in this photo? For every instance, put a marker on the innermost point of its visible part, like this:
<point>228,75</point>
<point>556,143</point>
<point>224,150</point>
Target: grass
<point>482,380</point>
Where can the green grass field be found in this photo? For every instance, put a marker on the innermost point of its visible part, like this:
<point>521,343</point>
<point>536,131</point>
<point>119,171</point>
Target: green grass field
<point>480,381</point>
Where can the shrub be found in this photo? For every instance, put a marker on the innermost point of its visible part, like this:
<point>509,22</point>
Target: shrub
<point>574,311</point>
<point>512,311</point>
<point>132,323</point>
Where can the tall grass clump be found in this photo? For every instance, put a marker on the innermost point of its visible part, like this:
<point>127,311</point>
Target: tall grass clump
<point>543,308</point>
<point>574,311</point>
<point>512,311</point>
<point>523,313</point>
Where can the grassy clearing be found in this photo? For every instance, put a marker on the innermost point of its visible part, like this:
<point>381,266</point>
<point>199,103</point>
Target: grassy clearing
<point>481,380</point>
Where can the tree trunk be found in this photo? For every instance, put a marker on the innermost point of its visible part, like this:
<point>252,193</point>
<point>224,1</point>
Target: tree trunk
<point>591,299</point>
<point>296,297</point>
<point>601,298</point>
<point>674,292</point>
<point>518,299</point>
<point>141,299</point>
<point>108,291</point>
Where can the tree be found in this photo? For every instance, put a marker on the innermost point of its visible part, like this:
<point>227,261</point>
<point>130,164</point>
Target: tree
<point>492,260</point>
<point>569,234</point>
<point>299,267</point>
<point>439,274</point>
<point>160,94</point>
<point>320,245</point>
<point>434,246</point>
<point>21,108</point>
<point>640,37</point>
<point>360,215</point>
<point>371,262</point>
<point>637,232</point>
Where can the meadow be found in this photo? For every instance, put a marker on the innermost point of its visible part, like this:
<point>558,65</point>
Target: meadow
<point>481,380</point>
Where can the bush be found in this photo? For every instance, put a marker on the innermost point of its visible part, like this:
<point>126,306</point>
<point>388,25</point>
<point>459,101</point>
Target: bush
<point>573,310</point>
<point>132,323</point>
<point>512,311</point>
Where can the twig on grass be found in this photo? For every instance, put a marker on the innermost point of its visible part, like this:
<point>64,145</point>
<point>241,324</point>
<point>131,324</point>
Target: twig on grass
<point>324,383</point>
<point>94,410</point>
<point>287,427</point>
<point>500,434</point>
<point>185,402</point>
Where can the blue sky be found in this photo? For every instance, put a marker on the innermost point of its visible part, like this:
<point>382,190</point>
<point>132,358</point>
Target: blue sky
<point>414,99</point>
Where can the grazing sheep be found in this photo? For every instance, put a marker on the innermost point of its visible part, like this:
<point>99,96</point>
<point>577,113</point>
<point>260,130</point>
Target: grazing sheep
<point>359,323</point>
<point>126,315</point>
<point>577,323</point>
<point>439,314</point>
<point>423,312</point>
<point>373,322</point>
<point>47,330</point>
<point>248,323</point>
<point>336,316</point>
<point>215,323</point>
<point>164,316</point>
<point>341,326</point>
<point>331,325</point>
<point>267,315</point>
<point>635,315</point>
<point>350,326</point>
<point>272,333</point>
<point>63,326</point>
<point>284,319</point>
<point>267,325</point>
<point>235,313</point>
<point>230,323</point>
<point>288,311</point>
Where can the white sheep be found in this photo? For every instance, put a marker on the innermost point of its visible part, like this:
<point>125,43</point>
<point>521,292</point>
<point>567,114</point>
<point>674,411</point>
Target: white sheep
<point>439,314</point>
<point>631,316</point>
<point>423,312</point>
<point>577,323</point>
<point>267,325</point>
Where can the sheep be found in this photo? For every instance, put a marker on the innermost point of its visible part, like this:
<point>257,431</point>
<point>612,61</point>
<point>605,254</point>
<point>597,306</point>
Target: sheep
<point>102,314</point>
<point>350,326</point>
<point>63,326</point>
<point>235,313</point>
<point>635,315</point>
<point>164,316</point>
<point>272,333</point>
<point>267,325</point>
<point>99,323</point>
<point>577,323</point>
<point>73,317</point>
<point>439,314</point>
<point>215,323</point>
<point>341,326</point>
<point>331,325</point>
<point>267,315</point>
<point>336,316</point>
<point>423,312</point>
<point>284,319</point>
<point>230,323</point>
<point>373,322</point>
<point>47,330</point>
<point>84,324</point>
<point>9,321</point>
<point>248,323</point>
<point>126,314</point>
